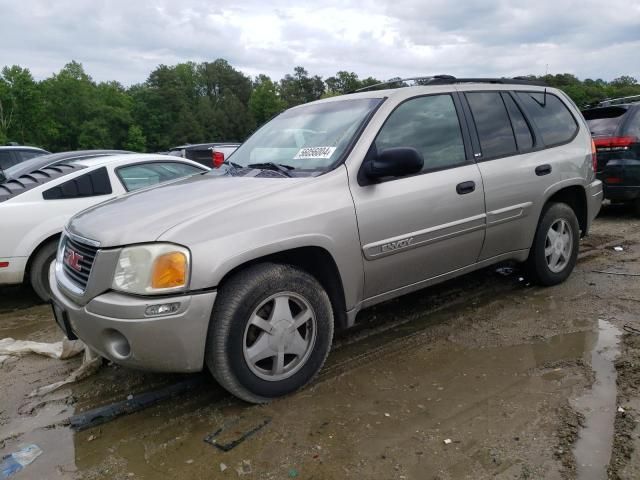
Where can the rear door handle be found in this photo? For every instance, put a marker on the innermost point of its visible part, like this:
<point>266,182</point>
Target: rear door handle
<point>465,187</point>
<point>543,169</point>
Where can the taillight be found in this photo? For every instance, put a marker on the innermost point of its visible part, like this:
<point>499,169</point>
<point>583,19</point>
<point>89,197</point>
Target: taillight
<point>615,143</point>
<point>218,159</point>
<point>613,180</point>
<point>594,156</point>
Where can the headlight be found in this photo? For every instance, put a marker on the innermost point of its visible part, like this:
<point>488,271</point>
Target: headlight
<point>152,268</point>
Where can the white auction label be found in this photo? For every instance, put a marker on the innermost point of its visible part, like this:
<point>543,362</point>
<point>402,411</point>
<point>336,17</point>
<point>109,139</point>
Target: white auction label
<point>314,152</point>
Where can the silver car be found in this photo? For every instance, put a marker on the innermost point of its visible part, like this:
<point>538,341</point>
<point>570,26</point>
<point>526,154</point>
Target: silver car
<point>329,208</point>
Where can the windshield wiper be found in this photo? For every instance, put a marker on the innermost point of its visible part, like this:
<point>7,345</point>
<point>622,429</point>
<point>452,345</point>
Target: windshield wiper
<point>278,167</point>
<point>232,164</point>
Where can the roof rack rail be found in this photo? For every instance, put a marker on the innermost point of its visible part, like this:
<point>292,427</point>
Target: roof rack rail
<point>617,101</point>
<point>450,79</point>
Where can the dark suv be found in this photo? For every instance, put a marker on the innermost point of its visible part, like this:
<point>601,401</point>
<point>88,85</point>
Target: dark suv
<point>13,154</point>
<point>615,127</point>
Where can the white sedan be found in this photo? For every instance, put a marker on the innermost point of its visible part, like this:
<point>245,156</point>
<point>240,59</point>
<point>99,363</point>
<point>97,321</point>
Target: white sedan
<point>35,207</point>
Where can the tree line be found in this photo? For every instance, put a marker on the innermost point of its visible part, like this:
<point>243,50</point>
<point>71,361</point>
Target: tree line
<point>186,103</point>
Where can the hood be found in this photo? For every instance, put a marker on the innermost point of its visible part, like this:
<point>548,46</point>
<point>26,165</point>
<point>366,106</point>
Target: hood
<point>145,215</point>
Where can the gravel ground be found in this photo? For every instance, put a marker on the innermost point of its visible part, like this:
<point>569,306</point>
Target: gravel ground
<point>484,376</point>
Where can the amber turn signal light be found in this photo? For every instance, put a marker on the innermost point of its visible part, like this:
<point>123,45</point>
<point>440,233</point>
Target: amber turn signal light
<point>169,271</point>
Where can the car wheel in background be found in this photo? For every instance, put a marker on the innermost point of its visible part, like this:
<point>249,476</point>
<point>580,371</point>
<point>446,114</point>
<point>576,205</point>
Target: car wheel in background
<point>39,270</point>
<point>554,251</point>
<point>270,332</point>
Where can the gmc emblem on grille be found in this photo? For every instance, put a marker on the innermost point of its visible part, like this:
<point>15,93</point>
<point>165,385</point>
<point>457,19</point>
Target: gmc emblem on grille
<point>73,259</point>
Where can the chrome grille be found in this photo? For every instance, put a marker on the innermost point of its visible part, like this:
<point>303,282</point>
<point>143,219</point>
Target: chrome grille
<point>77,261</point>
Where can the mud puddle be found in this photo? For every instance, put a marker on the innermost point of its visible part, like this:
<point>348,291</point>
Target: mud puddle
<point>592,450</point>
<point>386,418</point>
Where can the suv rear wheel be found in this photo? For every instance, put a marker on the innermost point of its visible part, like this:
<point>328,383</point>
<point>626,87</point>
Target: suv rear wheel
<point>554,251</point>
<point>270,332</point>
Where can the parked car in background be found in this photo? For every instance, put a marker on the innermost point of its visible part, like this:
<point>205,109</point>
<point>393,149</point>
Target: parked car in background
<point>329,208</point>
<point>615,127</point>
<point>11,155</point>
<point>209,154</point>
<point>34,207</point>
<point>55,159</point>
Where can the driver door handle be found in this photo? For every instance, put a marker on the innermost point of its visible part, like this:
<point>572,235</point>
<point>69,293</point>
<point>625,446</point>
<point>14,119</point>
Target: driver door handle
<point>465,187</point>
<point>543,170</point>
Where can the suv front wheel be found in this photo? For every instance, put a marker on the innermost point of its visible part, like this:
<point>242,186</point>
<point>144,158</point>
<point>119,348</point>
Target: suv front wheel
<point>554,251</point>
<point>270,332</point>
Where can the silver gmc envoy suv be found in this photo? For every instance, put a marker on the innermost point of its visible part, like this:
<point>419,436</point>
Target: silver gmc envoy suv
<point>329,208</point>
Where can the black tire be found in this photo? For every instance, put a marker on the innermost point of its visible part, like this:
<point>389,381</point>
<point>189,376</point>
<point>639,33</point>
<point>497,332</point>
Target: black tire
<point>636,206</point>
<point>536,265</point>
<point>237,299</point>
<point>39,270</point>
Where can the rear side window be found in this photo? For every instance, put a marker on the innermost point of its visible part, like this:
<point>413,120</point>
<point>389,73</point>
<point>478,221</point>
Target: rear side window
<point>27,154</point>
<point>90,184</point>
<point>552,117</point>
<point>524,137</point>
<point>431,126</point>
<point>604,121</point>
<point>6,159</point>
<point>493,125</point>
<point>143,175</point>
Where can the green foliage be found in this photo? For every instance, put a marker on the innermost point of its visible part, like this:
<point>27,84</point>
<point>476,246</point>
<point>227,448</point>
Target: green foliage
<point>186,103</point>
<point>265,101</point>
<point>136,141</point>
<point>300,87</point>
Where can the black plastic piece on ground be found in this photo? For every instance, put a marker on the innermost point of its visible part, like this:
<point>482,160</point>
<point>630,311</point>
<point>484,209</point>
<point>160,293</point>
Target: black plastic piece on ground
<point>225,447</point>
<point>100,415</point>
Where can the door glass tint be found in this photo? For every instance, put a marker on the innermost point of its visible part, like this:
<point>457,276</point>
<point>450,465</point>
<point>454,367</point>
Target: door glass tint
<point>493,125</point>
<point>146,174</point>
<point>431,126</point>
<point>550,115</point>
<point>524,138</point>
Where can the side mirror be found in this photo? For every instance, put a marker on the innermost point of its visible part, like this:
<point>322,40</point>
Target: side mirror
<point>395,162</point>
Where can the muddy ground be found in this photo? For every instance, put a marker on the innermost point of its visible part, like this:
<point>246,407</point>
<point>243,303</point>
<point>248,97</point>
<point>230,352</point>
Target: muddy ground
<point>485,376</point>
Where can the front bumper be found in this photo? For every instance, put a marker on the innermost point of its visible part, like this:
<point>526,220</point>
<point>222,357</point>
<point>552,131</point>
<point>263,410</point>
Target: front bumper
<point>114,325</point>
<point>14,272</point>
<point>595,195</point>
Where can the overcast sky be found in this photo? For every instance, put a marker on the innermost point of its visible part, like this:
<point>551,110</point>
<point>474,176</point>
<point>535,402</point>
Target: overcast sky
<point>125,39</point>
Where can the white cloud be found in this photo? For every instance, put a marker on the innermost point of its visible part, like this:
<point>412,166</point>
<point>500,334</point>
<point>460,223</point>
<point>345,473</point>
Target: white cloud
<point>125,40</point>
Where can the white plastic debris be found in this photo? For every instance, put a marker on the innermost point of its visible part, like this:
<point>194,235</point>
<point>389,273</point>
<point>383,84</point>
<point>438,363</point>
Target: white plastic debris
<point>223,467</point>
<point>618,249</point>
<point>620,410</point>
<point>387,415</point>
<point>60,350</point>
<point>90,364</point>
<point>447,441</point>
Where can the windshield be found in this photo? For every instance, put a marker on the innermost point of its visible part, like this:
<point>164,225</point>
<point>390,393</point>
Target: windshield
<point>309,138</point>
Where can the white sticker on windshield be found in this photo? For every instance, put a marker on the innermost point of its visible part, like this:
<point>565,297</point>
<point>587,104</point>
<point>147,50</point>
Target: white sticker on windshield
<point>314,152</point>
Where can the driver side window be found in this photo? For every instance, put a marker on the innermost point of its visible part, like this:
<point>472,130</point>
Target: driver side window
<point>430,125</point>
